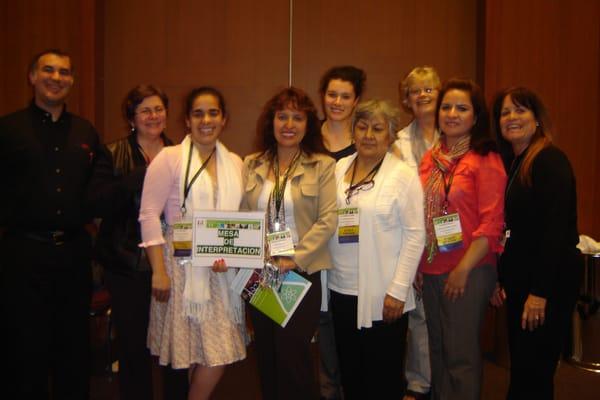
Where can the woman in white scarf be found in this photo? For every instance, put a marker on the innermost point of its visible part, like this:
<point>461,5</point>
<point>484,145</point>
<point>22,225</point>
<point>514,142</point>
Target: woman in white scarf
<point>195,321</point>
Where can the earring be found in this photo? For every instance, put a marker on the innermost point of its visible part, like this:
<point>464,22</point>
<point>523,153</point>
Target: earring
<point>132,128</point>
<point>537,124</point>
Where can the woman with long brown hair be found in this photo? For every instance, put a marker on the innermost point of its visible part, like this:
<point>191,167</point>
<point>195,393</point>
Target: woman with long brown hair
<point>540,268</point>
<point>463,180</point>
<point>293,180</point>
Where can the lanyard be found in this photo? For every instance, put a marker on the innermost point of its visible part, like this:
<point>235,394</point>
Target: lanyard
<point>188,186</point>
<point>279,190</point>
<point>514,171</point>
<point>447,186</point>
<point>366,180</point>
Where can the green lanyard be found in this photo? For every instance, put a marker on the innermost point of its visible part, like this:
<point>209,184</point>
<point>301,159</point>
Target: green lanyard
<point>188,186</point>
<point>279,189</point>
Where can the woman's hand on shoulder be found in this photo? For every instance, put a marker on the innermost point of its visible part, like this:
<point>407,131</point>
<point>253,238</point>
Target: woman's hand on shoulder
<point>392,308</point>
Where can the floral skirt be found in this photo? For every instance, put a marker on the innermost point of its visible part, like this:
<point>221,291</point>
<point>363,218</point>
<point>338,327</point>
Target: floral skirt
<point>181,342</point>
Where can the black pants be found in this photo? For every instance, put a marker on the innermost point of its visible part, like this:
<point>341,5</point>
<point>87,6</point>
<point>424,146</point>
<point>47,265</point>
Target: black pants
<point>371,359</point>
<point>45,298</point>
<point>534,355</point>
<point>130,300</point>
<point>285,363</point>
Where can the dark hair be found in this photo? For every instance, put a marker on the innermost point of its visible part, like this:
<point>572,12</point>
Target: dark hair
<point>195,93</point>
<point>541,138</point>
<point>137,95</point>
<point>481,140</point>
<point>33,64</point>
<point>298,100</point>
<point>348,73</point>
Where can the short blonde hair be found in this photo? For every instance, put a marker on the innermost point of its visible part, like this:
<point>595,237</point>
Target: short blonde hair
<point>424,73</point>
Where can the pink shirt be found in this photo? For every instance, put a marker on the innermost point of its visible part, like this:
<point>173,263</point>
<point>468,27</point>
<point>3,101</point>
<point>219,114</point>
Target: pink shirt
<point>161,193</point>
<point>477,194</point>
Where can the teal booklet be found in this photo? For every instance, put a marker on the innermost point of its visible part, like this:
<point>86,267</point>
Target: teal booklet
<point>278,304</point>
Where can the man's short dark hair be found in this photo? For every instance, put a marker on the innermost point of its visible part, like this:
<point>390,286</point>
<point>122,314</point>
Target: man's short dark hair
<point>36,58</point>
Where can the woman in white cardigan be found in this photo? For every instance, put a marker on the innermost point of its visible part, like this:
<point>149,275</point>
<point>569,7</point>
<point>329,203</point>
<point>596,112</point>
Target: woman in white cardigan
<point>375,252</point>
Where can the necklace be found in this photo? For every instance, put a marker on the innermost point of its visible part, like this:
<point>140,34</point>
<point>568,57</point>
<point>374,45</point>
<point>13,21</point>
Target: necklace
<point>366,183</point>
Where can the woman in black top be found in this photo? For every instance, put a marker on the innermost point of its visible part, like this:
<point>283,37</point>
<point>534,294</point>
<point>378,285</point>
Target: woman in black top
<point>127,271</point>
<point>340,89</point>
<point>540,268</point>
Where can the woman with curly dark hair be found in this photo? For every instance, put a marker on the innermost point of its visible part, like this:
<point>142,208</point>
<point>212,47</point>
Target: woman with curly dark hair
<point>294,182</point>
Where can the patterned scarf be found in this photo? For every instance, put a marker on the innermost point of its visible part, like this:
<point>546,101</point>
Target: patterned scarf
<point>434,191</point>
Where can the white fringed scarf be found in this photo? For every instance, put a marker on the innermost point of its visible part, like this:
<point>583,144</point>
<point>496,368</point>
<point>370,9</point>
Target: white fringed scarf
<point>196,293</point>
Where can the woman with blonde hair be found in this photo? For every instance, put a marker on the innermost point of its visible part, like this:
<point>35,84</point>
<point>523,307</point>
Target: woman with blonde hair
<point>418,96</point>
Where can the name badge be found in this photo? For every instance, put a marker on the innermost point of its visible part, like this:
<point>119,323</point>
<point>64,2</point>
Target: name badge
<point>448,232</point>
<point>348,225</point>
<point>182,239</point>
<point>281,243</point>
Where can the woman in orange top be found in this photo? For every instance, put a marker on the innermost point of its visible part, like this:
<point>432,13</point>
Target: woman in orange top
<point>463,180</point>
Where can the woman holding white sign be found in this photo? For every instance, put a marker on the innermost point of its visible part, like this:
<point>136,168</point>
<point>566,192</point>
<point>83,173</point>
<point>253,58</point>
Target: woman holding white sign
<point>294,182</point>
<point>376,252</point>
<point>463,180</point>
<point>195,322</point>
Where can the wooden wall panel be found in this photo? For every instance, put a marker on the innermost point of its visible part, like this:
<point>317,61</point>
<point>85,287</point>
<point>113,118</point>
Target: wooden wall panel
<point>30,26</point>
<point>238,46</point>
<point>552,48</point>
<point>385,38</point>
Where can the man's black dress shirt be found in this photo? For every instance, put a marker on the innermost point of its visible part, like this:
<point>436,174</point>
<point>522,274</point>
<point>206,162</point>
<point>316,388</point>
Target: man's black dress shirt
<point>45,168</point>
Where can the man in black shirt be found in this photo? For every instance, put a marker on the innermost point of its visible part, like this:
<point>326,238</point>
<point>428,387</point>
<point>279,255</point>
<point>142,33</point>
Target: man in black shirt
<point>46,159</point>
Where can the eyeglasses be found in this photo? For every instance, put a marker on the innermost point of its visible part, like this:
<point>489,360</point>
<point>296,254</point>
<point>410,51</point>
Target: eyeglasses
<point>353,190</point>
<point>417,91</point>
<point>147,112</point>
